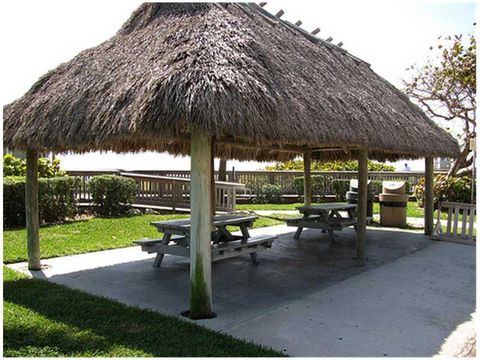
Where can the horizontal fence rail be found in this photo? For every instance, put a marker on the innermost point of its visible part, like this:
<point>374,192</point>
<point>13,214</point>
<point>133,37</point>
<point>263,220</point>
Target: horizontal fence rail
<point>172,186</point>
<point>254,180</point>
<point>164,191</point>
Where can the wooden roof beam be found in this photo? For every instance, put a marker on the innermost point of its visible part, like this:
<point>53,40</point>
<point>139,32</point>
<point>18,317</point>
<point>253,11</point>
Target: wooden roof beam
<point>279,14</point>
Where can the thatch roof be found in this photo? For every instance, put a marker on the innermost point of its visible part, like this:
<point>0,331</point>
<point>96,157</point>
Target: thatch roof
<point>263,87</point>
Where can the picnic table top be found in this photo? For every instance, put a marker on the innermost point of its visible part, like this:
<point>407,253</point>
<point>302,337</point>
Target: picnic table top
<point>326,207</point>
<point>217,220</point>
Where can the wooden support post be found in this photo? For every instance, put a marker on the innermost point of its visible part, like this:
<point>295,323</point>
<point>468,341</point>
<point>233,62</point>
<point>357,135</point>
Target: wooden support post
<point>428,200</point>
<point>213,198</point>
<point>307,179</point>
<point>222,170</point>
<point>31,210</point>
<point>362,204</point>
<point>201,222</point>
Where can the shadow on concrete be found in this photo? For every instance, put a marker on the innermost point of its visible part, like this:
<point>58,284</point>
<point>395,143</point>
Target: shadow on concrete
<point>292,269</point>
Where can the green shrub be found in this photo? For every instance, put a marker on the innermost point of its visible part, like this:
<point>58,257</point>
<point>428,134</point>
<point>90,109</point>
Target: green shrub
<point>112,195</point>
<point>454,189</point>
<point>56,199</point>
<point>340,187</point>
<point>13,201</point>
<point>376,186</point>
<point>269,194</point>
<point>13,166</point>
<point>351,165</point>
<point>318,185</point>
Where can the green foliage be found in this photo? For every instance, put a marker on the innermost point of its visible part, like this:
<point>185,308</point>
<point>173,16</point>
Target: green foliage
<point>446,188</point>
<point>56,199</point>
<point>376,186</point>
<point>49,169</point>
<point>340,187</point>
<point>318,185</point>
<point>112,195</point>
<point>269,194</point>
<point>13,166</point>
<point>330,166</point>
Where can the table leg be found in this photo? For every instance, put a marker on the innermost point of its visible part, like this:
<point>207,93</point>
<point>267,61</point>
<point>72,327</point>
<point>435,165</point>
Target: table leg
<point>246,235</point>
<point>159,258</point>
<point>254,258</point>
<point>351,215</point>
<point>332,236</point>
<point>298,233</point>
<point>300,228</point>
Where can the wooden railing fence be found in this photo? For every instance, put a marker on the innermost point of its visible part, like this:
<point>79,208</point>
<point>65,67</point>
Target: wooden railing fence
<point>460,222</point>
<point>254,180</point>
<point>167,191</point>
<point>172,187</point>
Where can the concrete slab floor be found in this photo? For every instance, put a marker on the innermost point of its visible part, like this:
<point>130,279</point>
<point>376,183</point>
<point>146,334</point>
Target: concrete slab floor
<point>307,297</point>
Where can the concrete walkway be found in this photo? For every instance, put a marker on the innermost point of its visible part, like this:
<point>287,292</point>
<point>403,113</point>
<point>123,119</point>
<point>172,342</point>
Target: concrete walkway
<point>405,308</point>
<point>307,297</point>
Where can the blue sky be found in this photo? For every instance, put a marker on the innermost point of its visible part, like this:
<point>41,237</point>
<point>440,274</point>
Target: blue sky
<point>390,34</point>
<point>455,17</point>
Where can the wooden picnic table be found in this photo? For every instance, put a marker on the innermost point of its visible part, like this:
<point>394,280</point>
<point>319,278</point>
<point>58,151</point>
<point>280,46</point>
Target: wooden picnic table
<point>326,217</point>
<point>224,243</point>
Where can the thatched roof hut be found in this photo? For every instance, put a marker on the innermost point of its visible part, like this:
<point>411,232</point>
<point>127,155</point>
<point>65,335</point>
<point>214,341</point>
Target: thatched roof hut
<point>228,80</point>
<point>264,88</point>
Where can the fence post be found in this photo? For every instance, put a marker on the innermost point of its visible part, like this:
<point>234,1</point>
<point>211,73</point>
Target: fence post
<point>428,203</point>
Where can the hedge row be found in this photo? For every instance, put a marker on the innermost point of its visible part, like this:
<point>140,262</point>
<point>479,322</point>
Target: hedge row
<point>56,199</point>
<point>111,196</point>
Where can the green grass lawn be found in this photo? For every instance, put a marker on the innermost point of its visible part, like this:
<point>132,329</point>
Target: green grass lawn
<point>42,319</point>
<point>90,235</point>
<point>45,319</point>
<point>268,206</point>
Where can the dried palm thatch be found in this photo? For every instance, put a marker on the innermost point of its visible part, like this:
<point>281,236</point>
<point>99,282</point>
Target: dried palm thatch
<point>261,86</point>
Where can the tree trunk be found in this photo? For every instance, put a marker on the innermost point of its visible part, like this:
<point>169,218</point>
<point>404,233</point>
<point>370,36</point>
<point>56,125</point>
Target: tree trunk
<point>459,163</point>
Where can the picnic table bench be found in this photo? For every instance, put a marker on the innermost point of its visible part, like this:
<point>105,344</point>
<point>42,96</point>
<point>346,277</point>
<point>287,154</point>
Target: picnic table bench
<point>176,239</point>
<point>326,217</point>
